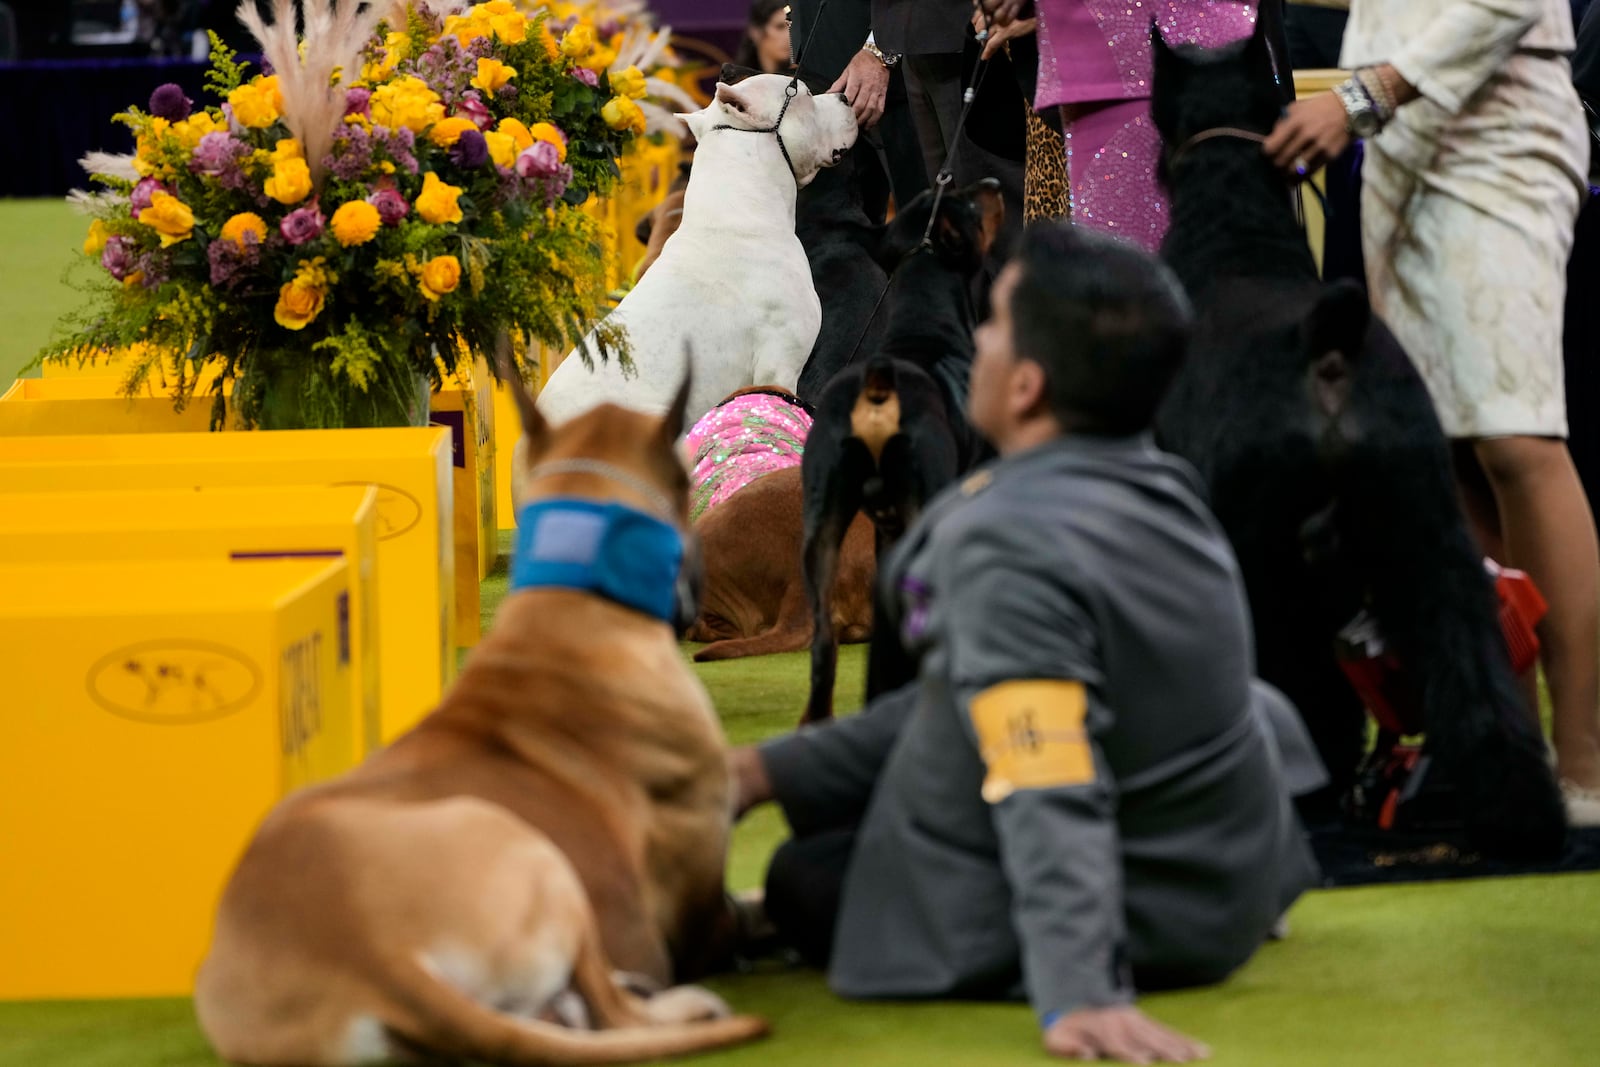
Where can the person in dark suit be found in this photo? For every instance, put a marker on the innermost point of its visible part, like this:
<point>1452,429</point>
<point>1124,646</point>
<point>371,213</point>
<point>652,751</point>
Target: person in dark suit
<point>931,35</point>
<point>838,53</point>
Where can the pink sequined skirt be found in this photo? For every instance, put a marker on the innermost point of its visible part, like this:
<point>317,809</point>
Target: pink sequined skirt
<point>741,440</point>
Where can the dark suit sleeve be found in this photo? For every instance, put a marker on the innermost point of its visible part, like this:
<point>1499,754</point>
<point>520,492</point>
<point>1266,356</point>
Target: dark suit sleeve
<point>841,29</point>
<point>1015,616</point>
<point>823,776</point>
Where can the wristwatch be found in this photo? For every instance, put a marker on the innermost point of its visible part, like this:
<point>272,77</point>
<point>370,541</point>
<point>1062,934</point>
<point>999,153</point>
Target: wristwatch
<point>1362,118</point>
<point>888,59</point>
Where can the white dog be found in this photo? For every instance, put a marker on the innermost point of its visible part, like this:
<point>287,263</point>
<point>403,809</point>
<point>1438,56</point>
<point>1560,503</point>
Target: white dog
<point>734,280</point>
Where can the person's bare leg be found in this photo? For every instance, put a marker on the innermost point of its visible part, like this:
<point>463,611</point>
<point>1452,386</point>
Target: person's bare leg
<point>1483,519</point>
<point>1550,533</point>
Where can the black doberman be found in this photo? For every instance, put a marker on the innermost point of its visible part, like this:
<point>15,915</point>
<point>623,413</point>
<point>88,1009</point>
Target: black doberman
<point>891,428</point>
<point>1327,466</point>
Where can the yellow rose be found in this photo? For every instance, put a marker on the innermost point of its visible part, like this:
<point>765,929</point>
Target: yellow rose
<point>440,275</point>
<point>465,29</point>
<point>257,103</point>
<point>95,243</point>
<point>288,148</point>
<point>492,75</point>
<point>406,102</point>
<point>543,131</point>
<point>579,42</point>
<point>290,182</point>
<point>601,58</point>
<point>502,148</point>
<point>396,46</point>
<point>629,83</point>
<point>170,217</point>
<point>190,130</point>
<point>246,222</point>
<point>517,132</point>
<point>298,303</point>
<point>447,132</point>
<point>511,27</point>
<point>355,223</point>
<point>437,201</point>
<point>620,113</point>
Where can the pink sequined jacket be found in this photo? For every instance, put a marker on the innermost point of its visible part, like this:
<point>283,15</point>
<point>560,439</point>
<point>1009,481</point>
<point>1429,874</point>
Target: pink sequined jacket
<point>738,441</point>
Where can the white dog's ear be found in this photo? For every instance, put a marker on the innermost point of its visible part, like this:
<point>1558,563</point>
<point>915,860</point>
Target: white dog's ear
<point>731,96</point>
<point>696,121</point>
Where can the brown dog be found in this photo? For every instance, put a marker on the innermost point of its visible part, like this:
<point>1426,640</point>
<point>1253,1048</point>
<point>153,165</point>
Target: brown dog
<point>468,891</point>
<point>755,597</point>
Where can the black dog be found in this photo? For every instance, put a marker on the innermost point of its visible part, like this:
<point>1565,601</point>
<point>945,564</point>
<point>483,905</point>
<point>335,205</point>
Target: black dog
<point>891,430</point>
<point>1328,469</point>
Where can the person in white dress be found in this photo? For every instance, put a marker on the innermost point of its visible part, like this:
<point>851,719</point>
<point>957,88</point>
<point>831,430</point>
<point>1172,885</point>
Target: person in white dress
<point>1476,156</point>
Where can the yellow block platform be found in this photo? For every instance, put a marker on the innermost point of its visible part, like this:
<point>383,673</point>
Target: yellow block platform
<point>291,521</point>
<point>469,413</point>
<point>154,712</point>
<point>409,467</point>
<point>94,405</point>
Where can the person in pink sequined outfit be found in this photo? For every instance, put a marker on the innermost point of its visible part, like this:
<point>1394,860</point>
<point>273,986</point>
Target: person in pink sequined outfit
<point>1095,63</point>
<point>749,435</point>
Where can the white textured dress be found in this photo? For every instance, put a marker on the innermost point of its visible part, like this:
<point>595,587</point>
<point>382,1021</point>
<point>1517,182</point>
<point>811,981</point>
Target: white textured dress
<point>1469,202</point>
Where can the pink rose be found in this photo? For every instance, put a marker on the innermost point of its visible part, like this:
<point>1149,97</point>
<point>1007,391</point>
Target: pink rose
<point>586,76</point>
<point>144,195</point>
<point>358,101</point>
<point>302,225</point>
<point>540,160</point>
<point>117,257</point>
<point>392,207</point>
<point>470,107</point>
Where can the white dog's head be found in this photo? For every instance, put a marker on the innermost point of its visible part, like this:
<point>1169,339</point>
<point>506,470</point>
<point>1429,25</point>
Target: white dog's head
<point>816,131</point>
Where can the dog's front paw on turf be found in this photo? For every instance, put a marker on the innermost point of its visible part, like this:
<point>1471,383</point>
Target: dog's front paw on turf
<point>686,1004</point>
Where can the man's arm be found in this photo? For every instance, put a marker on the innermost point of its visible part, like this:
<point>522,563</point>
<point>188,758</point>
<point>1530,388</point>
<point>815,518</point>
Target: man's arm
<point>1025,663</point>
<point>823,776</point>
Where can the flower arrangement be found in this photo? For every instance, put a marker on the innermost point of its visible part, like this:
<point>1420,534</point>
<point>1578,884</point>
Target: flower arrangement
<point>402,189</point>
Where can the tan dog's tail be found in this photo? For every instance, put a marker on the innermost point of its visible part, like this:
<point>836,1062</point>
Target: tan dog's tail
<point>436,1016</point>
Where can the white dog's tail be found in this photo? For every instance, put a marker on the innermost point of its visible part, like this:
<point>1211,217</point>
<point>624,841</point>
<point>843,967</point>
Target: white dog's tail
<point>433,1015</point>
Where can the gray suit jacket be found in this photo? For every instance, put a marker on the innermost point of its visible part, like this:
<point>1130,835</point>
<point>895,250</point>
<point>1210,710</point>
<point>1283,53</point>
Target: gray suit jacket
<point>1171,850</point>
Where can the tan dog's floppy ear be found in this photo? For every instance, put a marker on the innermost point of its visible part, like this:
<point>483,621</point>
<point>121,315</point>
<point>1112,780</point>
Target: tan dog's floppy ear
<point>672,424</point>
<point>992,205</point>
<point>534,425</point>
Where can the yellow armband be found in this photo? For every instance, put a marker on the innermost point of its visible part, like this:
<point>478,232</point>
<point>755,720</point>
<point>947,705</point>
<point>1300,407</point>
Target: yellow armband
<point>1031,735</point>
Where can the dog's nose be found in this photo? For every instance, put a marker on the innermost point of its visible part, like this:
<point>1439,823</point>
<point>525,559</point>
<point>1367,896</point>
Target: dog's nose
<point>843,97</point>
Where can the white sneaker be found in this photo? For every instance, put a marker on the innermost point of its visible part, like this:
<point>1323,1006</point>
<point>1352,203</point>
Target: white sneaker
<point>1583,805</point>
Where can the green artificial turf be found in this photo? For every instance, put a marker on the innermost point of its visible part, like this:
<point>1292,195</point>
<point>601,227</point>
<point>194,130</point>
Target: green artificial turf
<point>1465,974</point>
<point>39,241</point>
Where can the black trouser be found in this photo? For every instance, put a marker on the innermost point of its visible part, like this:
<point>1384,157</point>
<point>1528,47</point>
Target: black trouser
<point>1315,36</point>
<point>805,882</point>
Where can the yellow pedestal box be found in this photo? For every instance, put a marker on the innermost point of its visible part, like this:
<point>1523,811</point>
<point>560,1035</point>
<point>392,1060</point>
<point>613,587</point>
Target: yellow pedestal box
<point>94,405</point>
<point>259,522</point>
<point>409,467</point>
<point>154,712</point>
<point>468,411</point>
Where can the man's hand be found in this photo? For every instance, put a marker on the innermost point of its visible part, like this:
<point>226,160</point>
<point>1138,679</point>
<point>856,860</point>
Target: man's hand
<point>1004,12</point>
<point>1001,34</point>
<point>1314,132</point>
<point>865,83</point>
<point>751,786</point>
<point>1119,1033</point>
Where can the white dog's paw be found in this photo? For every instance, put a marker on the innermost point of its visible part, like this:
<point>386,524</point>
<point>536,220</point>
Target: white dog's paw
<point>686,1004</point>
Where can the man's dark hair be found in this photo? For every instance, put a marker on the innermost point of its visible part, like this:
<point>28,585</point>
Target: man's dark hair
<point>1108,322</point>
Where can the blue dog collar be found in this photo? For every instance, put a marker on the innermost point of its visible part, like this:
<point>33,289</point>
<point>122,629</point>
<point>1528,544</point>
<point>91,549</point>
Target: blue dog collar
<point>623,554</point>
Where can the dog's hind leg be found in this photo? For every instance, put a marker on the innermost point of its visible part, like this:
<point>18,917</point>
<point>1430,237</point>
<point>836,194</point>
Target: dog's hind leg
<point>832,498</point>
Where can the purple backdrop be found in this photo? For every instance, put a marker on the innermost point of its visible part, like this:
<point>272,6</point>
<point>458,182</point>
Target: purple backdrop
<point>692,16</point>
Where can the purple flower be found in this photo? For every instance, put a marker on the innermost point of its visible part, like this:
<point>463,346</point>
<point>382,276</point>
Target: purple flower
<point>221,156</point>
<point>302,225</point>
<point>144,194</point>
<point>399,144</point>
<point>352,154</point>
<point>117,257</point>
<point>358,101</point>
<point>470,150</point>
<point>539,160</point>
<point>228,259</point>
<point>471,107</point>
<point>168,102</point>
<point>152,268</point>
<point>392,207</point>
<point>586,76</point>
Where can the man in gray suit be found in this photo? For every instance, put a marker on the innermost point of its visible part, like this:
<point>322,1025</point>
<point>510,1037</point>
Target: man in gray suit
<point>1086,790</point>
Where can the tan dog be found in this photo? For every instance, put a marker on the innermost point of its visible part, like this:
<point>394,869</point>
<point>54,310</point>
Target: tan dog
<point>565,811</point>
<point>755,597</point>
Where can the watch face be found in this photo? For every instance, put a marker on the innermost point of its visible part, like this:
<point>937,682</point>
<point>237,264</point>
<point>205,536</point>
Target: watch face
<point>1364,123</point>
